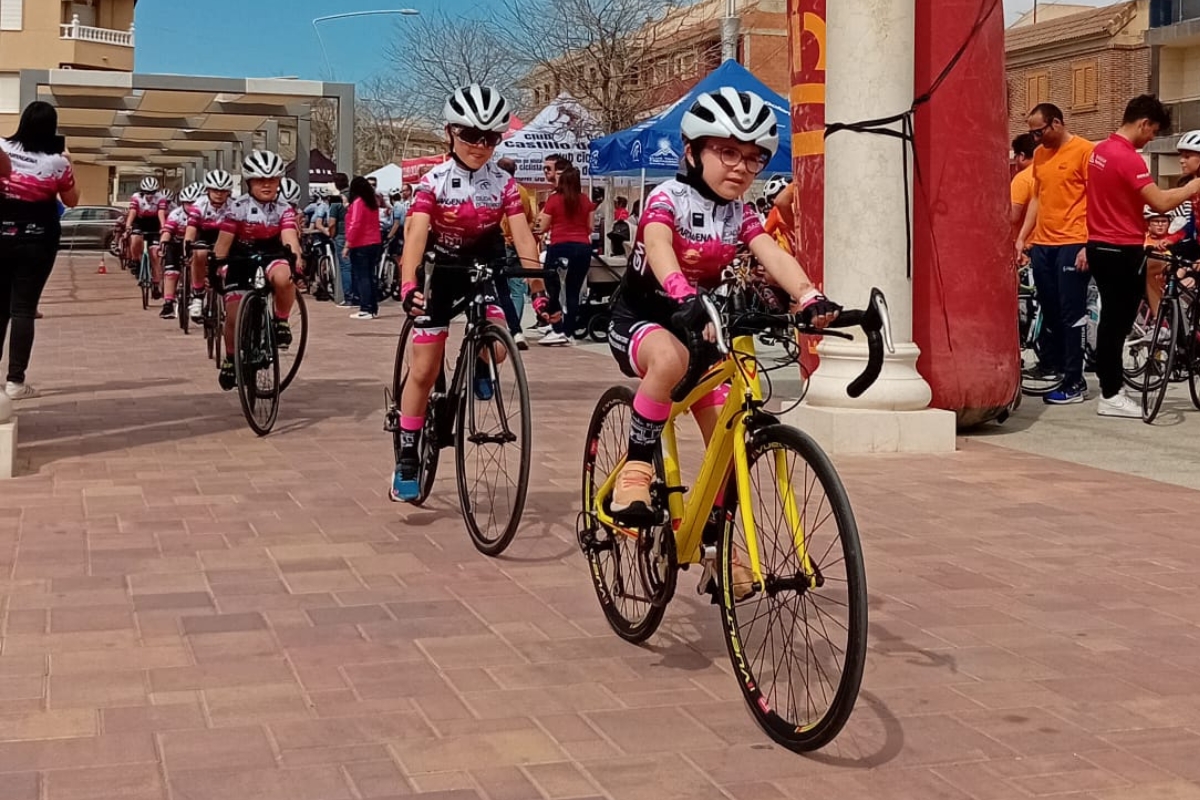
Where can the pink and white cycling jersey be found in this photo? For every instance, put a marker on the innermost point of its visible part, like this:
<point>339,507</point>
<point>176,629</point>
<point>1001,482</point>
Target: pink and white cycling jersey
<point>36,177</point>
<point>707,234</point>
<point>251,221</point>
<point>148,205</point>
<point>177,222</point>
<point>205,216</point>
<point>463,205</point>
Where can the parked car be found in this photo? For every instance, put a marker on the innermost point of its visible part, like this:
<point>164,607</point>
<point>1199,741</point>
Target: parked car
<point>89,227</point>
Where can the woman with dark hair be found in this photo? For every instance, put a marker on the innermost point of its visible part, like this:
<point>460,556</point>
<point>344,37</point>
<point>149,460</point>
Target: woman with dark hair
<point>39,174</point>
<point>567,214</point>
<point>363,245</point>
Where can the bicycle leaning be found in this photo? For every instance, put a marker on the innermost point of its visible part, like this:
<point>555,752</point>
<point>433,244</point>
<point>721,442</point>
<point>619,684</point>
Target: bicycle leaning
<point>482,412</point>
<point>1173,351</point>
<point>788,545</point>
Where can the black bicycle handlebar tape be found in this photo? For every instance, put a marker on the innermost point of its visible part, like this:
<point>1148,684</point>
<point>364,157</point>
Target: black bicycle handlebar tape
<point>871,324</point>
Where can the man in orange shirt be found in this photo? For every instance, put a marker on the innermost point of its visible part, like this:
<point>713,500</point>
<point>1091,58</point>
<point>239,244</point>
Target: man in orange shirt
<point>1056,230</point>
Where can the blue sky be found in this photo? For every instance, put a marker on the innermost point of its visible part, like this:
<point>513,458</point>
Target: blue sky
<point>270,38</point>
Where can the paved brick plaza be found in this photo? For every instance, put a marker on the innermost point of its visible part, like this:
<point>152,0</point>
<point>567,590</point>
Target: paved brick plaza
<point>194,613</point>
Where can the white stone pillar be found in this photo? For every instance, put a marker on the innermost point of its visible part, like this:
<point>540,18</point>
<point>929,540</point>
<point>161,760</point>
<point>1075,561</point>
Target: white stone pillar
<point>8,437</point>
<point>869,59</point>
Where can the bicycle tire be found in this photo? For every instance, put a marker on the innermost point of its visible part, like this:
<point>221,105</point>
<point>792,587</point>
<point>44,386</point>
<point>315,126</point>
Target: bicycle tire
<point>492,338</point>
<point>182,299</point>
<point>1136,343</point>
<point>325,276</point>
<point>1160,361</point>
<point>428,446</point>
<point>254,354</point>
<point>292,357</point>
<point>1192,355</point>
<point>779,716</point>
<point>218,328</point>
<point>597,327</point>
<point>632,616</point>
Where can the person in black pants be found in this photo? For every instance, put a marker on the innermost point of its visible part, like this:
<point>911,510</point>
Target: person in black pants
<point>1119,186</point>
<point>568,215</point>
<point>35,173</point>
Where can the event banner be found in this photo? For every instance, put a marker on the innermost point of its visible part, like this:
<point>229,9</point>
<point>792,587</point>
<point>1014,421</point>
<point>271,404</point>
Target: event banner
<point>806,31</point>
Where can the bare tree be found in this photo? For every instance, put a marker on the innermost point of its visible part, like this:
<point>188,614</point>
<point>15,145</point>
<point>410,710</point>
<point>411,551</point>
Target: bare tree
<point>432,55</point>
<point>384,121</point>
<point>617,57</point>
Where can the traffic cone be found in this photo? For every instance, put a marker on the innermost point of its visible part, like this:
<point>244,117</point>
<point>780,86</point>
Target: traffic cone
<point>102,270</point>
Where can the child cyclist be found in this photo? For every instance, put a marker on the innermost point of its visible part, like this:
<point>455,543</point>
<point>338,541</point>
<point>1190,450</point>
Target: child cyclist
<point>689,232</point>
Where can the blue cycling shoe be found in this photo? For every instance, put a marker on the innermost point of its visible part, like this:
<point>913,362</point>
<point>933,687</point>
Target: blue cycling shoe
<point>405,487</point>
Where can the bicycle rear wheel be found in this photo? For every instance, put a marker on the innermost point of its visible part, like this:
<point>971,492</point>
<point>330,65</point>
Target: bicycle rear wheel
<point>1137,346</point>
<point>144,277</point>
<point>290,359</point>
<point>325,278</point>
<point>257,364</point>
<point>1160,361</point>
<point>616,564</point>
<point>182,299</point>
<point>798,642</point>
<point>429,444</point>
<point>492,444</point>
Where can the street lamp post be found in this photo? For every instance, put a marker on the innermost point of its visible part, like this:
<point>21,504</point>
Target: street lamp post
<point>404,12</point>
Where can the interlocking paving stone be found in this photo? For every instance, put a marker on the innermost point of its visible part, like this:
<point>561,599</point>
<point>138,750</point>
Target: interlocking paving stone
<point>190,611</point>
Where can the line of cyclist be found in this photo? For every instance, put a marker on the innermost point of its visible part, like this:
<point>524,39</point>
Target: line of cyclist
<point>211,234</point>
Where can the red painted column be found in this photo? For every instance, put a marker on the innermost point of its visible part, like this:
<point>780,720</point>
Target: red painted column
<point>806,32</point>
<point>964,286</point>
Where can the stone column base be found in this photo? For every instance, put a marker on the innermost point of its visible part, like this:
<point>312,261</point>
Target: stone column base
<point>8,448</point>
<point>855,430</point>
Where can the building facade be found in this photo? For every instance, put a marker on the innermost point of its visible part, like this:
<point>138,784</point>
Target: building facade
<point>47,34</point>
<point>1174,39</point>
<point>691,48</point>
<point>1089,64</point>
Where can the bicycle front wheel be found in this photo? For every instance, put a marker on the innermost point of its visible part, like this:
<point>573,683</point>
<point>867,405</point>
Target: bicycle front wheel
<point>289,359</point>
<point>182,299</point>
<point>1160,361</point>
<point>798,639</point>
<point>257,364</point>
<point>492,440</point>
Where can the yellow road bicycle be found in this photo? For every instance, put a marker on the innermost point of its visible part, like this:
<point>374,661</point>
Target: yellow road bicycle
<point>786,567</point>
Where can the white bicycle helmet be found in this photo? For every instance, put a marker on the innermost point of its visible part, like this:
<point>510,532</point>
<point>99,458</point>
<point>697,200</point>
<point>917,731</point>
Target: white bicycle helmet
<point>191,193</point>
<point>774,186</point>
<point>169,194</point>
<point>289,190</point>
<point>149,185</point>
<point>1189,142</point>
<point>218,181</point>
<point>262,164</point>
<point>479,107</point>
<point>728,113</point>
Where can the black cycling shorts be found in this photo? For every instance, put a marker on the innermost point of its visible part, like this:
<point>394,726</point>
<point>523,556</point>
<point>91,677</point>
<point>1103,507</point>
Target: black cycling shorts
<point>146,226</point>
<point>626,329</point>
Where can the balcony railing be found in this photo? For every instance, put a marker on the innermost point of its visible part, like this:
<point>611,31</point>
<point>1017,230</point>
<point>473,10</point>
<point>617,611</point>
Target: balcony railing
<point>76,31</point>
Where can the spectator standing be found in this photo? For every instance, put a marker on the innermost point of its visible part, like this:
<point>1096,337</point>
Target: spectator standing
<point>338,206</point>
<point>1056,228</point>
<point>567,215</point>
<point>363,245</point>
<point>1020,190</point>
<point>35,175</point>
<point>516,288</point>
<point>397,213</point>
<point>621,209</point>
<point>1119,187</point>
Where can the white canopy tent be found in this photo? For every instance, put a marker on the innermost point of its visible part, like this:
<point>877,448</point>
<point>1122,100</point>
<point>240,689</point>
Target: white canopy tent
<point>388,177</point>
<point>564,127</point>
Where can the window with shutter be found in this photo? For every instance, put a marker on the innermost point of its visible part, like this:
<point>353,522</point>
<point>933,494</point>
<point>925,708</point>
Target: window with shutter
<point>1083,85</point>
<point>11,15</point>
<point>1037,88</point>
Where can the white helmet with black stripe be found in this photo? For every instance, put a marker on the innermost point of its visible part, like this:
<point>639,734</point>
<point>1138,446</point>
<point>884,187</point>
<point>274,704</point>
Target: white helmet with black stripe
<point>149,184</point>
<point>262,164</point>
<point>479,107</point>
<point>218,181</point>
<point>728,113</point>
<point>289,190</point>
<point>191,193</point>
<point>1189,142</point>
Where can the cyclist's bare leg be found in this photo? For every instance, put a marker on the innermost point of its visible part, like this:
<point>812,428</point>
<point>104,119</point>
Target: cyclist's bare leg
<point>199,270</point>
<point>156,264</point>
<point>422,374</point>
<point>663,360</point>
<point>136,243</point>
<point>233,302</point>
<point>496,319</point>
<point>283,288</point>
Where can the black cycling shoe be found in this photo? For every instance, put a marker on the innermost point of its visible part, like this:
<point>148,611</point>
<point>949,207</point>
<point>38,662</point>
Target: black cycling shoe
<point>155,292</point>
<point>168,310</point>
<point>227,377</point>
<point>283,334</point>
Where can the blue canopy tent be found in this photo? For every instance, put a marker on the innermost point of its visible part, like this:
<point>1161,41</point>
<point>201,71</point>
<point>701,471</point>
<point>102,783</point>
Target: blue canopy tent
<point>653,146</point>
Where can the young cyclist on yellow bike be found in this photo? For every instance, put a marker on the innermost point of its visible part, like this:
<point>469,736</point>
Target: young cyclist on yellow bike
<point>689,232</point>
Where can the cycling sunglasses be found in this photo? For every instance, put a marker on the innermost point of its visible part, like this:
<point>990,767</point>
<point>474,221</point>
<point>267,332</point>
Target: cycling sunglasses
<point>478,137</point>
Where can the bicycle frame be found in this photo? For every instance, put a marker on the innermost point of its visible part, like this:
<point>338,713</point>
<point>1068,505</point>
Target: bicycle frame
<point>726,453</point>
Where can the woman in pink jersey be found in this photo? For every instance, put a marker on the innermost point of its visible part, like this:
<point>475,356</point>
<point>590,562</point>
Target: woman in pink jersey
<point>39,174</point>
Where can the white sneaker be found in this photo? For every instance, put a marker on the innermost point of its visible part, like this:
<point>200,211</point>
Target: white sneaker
<point>545,329</point>
<point>522,343</point>
<point>20,391</point>
<point>554,339</point>
<point>363,315</point>
<point>1119,405</point>
<point>196,309</point>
